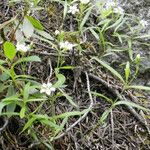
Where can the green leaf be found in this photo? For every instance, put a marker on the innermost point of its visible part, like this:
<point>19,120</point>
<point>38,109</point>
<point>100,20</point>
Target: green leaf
<point>61,80</point>
<point>114,72</point>
<point>26,92</point>
<point>4,76</point>
<point>3,87</point>
<point>143,36</point>
<point>1,107</point>
<point>67,67</point>
<point>45,40</point>
<point>102,39</point>
<point>65,9</point>
<point>9,50</point>
<point>131,104</point>
<point>69,114</point>
<point>45,35</point>
<point>7,71</point>
<point>36,23</point>
<point>138,87</point>
<point>35,100</point>
<point>28,59</point>
<point>94,33</point>
<point>138,59</point>
<point>51,124</point>
<point>69,98</point>
<point>127,71</point>
<point>27,28</point>
<point>117,22</point>
<point>22,111</point>
<point>10,92</point>
<point>29,123</point>
<point>103,96</point>
<point>105,115</point>
<point>85,18</point>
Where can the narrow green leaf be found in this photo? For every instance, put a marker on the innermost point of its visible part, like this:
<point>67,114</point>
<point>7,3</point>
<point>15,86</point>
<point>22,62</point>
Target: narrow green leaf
<point>85,18</point>
<point>65,9</point>
<point>29,123</point>
<point>67,67</point>
<point>143,36</point>
<point>45,35</point>
<point>138,87</point>
<point>7,71</point>
<point>10,92</point>
<point>69,98</point>
<point>131,104</point>
<point>69,114</point>
<point>9,50</point>
<point>4,76</point>
<point>35,100</point>
<point>103,96</point>
<point>51,124</point>
<point>61,80</point>
<point>114,72</point>
<point>94,33</point>
<point>1,107</point>
<point>22,112</point>
<point>3,87</point>
<point>102,39</point>
<point>26,92</point>
<point>36,23</point>
<point>104,115</point>
<point>28,59</point>
<point>117,22</point>
<point>127,71</point>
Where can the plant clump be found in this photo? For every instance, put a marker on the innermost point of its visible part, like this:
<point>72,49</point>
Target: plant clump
<point>68,76</point>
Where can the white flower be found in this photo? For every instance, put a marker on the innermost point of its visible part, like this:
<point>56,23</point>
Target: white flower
<point>47,88</point>
<point>73,9</point>
<point>144,23</point>
<point>118,10</point>
<point>84,1</point>
<point>22,47</point>
<point>57,32</point>
<point>32,4</point>
<point>66,45</point>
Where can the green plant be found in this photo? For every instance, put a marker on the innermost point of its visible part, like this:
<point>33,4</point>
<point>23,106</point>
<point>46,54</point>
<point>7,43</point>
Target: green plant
<point>100,30</point>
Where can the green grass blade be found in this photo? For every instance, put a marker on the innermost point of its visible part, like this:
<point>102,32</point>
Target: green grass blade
<point>138,87</point>
<point>104,64</point>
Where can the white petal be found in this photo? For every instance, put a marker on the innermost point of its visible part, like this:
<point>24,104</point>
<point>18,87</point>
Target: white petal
<point>49,84</point>
<point>42,91</point>
<point>53,89</point>
<point>48,91</point>
<point>44,85</point>
<point>57,32</point>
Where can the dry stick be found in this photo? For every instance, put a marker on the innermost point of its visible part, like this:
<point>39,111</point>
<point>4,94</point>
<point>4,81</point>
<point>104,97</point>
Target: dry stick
<point>112,126</point>
<point>82,117</point>
<point>4,126</point>
<point>121,98</point>
<point>51,70</point>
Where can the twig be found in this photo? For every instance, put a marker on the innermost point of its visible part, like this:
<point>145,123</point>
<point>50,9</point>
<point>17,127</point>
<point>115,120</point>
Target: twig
<point>82,117</point>
<point>5,125</point>
<point>51,69</point>
<point>112,127</point>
